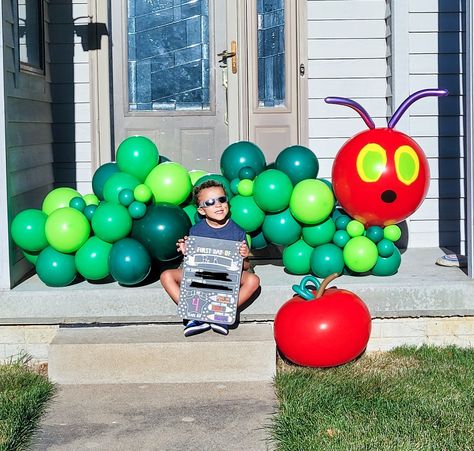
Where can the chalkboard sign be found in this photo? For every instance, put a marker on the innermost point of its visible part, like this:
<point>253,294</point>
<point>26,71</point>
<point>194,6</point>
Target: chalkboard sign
<point>211,280</point>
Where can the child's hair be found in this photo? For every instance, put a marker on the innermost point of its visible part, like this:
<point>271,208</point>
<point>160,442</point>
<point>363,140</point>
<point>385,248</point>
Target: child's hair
<point>207,184</point>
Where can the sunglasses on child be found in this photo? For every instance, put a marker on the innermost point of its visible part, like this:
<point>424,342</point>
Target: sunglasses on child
<point>211,202</point>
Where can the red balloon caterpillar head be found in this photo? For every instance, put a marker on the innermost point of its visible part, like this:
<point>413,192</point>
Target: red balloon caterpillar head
<point>381,176</point>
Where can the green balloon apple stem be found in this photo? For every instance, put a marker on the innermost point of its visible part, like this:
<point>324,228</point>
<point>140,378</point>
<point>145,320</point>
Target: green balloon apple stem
<point>304,292</point>
<point>325,283</point>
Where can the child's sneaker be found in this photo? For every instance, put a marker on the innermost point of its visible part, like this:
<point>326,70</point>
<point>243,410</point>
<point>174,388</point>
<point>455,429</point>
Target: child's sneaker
<point>222,329</point>
<point>452,260</point>
<point>195,327</point>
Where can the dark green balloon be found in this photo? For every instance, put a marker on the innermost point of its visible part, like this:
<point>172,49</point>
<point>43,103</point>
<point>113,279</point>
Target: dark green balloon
<point>247,173</point>
<point>374,233</point>
<point>281,228</point>
<point>218,178</point>
<point>159,230</point>
<point>240,155</point>
<point>385,248</point>
<point>326,259</point>
<point>101,175</point>
<point>54,268</point>
<point>246,213</point>
<point>89,211</point>
<point>387,266</point>
<point>129,262</point>
<point>297,257</point>
<point>258,240</point>
<point>92,259</point>
<point>340,238</point>
<point>272,190</point>
<point>126,197</point>
<point>320,233</point>
<point>28,230</point>
<point>298,162</point>
<point>137,209</point>
<point>342,221</point>
<point>234,186</point>
<point>78,203</point>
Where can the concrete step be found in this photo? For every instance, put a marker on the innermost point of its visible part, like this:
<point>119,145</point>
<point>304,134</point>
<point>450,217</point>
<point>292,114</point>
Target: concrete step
<point>161,354</point>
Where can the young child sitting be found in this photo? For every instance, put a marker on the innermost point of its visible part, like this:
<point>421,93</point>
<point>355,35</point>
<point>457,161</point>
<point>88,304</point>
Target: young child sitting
<point>212,203</point>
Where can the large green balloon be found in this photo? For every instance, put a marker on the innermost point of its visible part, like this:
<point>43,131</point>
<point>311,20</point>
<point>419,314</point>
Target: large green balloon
<point>67,229</point>
<point>387,266</point>
<point>58,198</point>
<point>320,233</point>
<point>272,190</point>
<point>101,175</point>
<point>311,201</point>
<point>298,162</point>
<point>191,211</point>
<point>218,178</point>
<point>159,230</point>
<point>196,174</point>
<point>169,182</point>
<point>246,213</point>
<point>111,222</point>
<point>281,228</point>
<point>28,230</point>
<point>137,155</point>
<point>360,254</point>
<point>54,268</point>
<point>118,182</point>
<point>297,257</point>
<point>129,262</point>
<point>92,259</point>
<point>240,155</point>
<point>326,259</point>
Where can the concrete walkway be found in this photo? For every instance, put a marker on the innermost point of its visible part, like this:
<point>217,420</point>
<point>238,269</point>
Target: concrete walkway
<point>164,417</point>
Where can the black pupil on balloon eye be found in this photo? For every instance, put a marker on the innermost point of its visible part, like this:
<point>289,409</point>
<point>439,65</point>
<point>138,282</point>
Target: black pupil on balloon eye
<point>388,196</point>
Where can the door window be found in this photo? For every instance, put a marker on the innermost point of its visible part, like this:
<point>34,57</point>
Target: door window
<point>168,55</point>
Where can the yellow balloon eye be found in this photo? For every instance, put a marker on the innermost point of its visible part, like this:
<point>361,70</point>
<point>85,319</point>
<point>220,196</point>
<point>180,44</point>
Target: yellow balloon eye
<point>407,164</point>
<point>371,162</point>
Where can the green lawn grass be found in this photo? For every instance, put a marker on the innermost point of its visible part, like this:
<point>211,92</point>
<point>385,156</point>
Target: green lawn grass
<point>405,399</point>
<point>24,394</point>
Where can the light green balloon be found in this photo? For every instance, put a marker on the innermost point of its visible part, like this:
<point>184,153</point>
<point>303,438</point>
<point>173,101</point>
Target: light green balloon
<point>92,259</point>
<point>142,193</point>
<point>67,229</point>
<point>392,232</point>
<point>360,254</point>
<point>320,233</point>
<point>27,230</point>
<point>355,228</point>
<point>245,187</point>
<point>111,222</point>
<point>58,198</point>
<point>118,182</point>
<point>137,155</point>
<point>169,182</point>
<point>311,201</point>
<point>297,257</point>
<point>196,174</point>
<point>91,199</point>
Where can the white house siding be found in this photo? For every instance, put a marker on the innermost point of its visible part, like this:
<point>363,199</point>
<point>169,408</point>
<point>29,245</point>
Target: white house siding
<point>70,87</point>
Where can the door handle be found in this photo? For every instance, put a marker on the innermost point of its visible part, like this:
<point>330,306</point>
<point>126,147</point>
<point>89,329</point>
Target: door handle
<point>225,55</point>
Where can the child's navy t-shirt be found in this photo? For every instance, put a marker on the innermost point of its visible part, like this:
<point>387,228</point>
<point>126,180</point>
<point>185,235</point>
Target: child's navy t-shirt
<point>231,231</point>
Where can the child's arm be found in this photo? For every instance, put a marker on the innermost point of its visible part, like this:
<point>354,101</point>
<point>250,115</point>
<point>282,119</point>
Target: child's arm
<point>181,245</point>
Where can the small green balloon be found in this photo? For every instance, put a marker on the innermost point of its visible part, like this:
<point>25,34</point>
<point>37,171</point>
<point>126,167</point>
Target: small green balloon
<point>326,259</point>
<point>111,222</point>
<point>92,259</point>
<point>137,209</point>
<point>234,186</point>
<point>27,230</point>
<point>78,203</point>
<point>55,268</point>
<point>169,182</point>
<point>191,211</point>
<point>374,233</point>
<point>281,228</point>
<point>100,177</point>
<point>118,182</point>
<point>387,266</point>
<point>67,229</point>
<point>311,201</point>
<point>126,197</point>
<point>342,221</point>
<point>247,173</point>
<point>89,211</point>
<point>392,232</point>
<point>328,183</point>
<point>137,155</point>
<point>360,254</point>
<point>58,198</point>
<point>246,213</point>
<point>91,199</point>
<point>296,257</point>
<point>385,248</point>
<point>320,233</point>
<point>196,174</point>
<point>245,187</point>
<point>355,228</point>
<point>340,238</point>
<point>272,190</point>
<point>142,193</point>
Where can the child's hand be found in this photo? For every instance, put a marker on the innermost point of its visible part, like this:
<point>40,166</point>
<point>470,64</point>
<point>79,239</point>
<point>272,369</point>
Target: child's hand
<point>181,245</point>
<point>244,249</point>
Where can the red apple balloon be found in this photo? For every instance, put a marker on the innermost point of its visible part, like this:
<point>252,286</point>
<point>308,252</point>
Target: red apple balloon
<point>324,328</point>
